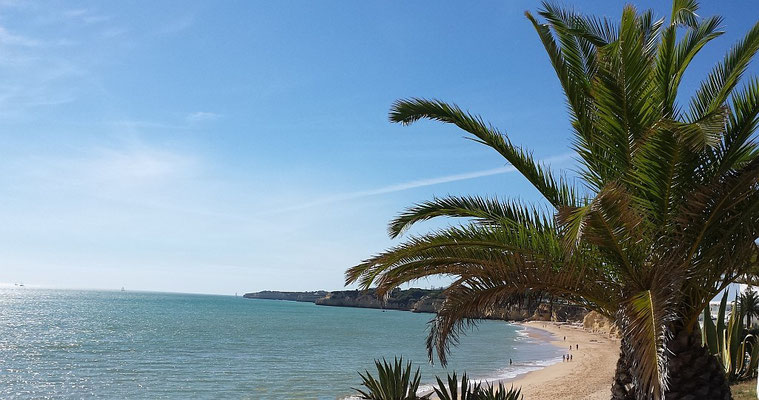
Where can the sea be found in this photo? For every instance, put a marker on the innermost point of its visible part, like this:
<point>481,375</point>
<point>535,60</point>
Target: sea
<point>69,344</point>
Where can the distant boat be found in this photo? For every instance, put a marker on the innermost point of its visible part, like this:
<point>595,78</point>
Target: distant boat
<point>122,289</point>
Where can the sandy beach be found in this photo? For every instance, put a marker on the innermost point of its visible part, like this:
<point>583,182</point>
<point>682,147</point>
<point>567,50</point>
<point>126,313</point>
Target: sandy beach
<point>588,376</point>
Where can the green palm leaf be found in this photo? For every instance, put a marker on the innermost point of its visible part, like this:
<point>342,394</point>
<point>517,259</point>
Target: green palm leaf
<point>412,110</point>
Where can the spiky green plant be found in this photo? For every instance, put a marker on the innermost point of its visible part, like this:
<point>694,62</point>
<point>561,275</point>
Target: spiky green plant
<point>474,391</point>
<point>666,217</point>
<point>499,393</point>
<point>466,391</point>
<point>737,351</point>
<point>393,382</point>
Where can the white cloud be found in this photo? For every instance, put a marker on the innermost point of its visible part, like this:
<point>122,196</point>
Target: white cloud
<point>417,184</point>
<point>202,116</point>
<point>113,32</point>
<point>177,25</point>
<point>135,165</point>
<point>38,71</point>
<point>85,15</point>
<point>98,170</point>
<point>10,39</point>
<point>75,13</point>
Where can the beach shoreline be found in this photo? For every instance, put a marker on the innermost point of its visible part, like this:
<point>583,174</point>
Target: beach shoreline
<point>588,376</point>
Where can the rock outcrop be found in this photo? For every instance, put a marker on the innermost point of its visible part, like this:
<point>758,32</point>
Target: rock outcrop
<point>596,322</point>
<point>424,301</point>
<point>308,297</point>
<point>428,304</point>
<point>417,300</point>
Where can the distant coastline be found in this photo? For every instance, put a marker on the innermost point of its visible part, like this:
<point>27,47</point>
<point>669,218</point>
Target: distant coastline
<point>423,301</point>
<point>414,300</point>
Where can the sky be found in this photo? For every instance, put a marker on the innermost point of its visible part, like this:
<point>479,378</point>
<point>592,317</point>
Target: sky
<point>223,147</point>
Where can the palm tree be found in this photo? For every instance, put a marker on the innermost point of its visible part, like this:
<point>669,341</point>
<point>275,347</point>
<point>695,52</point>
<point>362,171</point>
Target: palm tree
<point>665,217</point>
<point>749,305</point>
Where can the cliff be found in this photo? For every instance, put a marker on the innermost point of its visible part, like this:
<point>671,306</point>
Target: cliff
<point>417,300</point>
<point>309,297</point>
<point>424,301</point>
<point>596,322</point>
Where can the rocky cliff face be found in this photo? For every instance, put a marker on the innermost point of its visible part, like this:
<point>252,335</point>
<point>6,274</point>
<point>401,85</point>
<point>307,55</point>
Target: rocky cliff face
<point>423,301</point>
<point>428,304</point>
<point>309,297</point>
<point>417,300</point>
<point>596,322</point>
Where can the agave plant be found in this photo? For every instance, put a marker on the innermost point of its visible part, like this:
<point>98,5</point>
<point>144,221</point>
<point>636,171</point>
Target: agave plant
<point>665,216</point>
<point>500,393</point>
<point>394,382</point>
<point>474,391</point>
<point>467,390</point>
<point>727,340</point>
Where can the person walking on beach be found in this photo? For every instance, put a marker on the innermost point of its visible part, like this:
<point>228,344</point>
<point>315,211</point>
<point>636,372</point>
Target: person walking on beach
<point>565,338</point>
<point>563,358</point>
<point>570,357</point>
<point>577,347</point>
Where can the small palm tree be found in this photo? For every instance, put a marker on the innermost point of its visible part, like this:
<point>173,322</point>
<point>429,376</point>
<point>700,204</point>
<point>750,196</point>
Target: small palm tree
<point>474,391</point>
<point>749,304</point>
<point>666,215</point>
<point>492,392</point>
<point>394,382</point>
<point>466,391</point>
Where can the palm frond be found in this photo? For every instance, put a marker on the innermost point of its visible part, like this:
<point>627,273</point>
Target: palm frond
<point>684,13</point>
<point>673,57</point>
<point>720,83</point>
<point>484,211</point>
<point>701,134</point>
<point>464,304</point>
<point>738,147</point>
<point>453,251</point>
<point>648,317</point>
<point>556,191</point>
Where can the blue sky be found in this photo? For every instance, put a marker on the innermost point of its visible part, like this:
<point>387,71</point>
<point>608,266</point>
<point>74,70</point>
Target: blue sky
<point>222,147</point>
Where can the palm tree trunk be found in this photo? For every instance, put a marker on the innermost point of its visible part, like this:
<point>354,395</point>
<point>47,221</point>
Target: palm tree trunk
<point>622,388</point>
<point>550,309</point>
<point>693,373</point>
<point>747,317</point>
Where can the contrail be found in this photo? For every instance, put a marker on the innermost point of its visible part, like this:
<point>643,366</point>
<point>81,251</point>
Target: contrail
<point>398,187</point>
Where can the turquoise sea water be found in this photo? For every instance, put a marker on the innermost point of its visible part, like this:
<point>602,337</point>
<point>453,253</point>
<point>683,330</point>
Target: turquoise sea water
<point>89,344</point>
